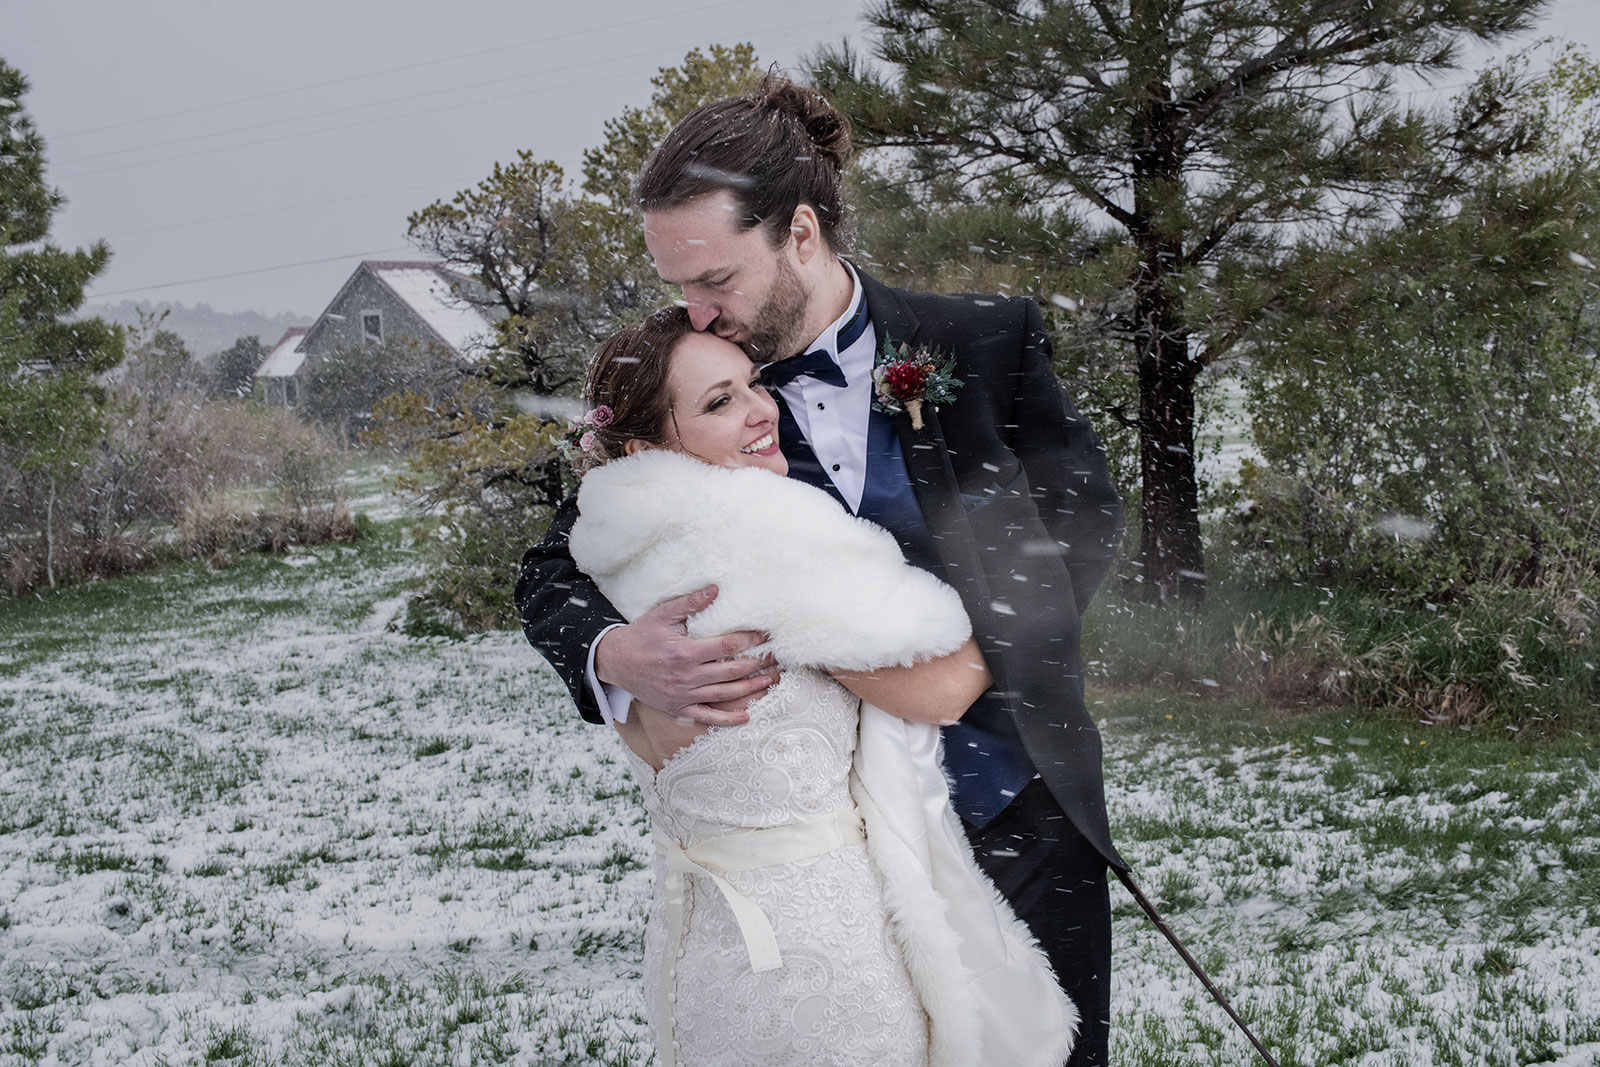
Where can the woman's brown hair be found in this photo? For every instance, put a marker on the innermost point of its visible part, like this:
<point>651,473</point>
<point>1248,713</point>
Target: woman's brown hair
<point>628,375</point>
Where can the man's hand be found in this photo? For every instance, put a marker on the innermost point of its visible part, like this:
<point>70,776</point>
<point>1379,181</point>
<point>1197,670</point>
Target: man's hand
<point>656,660</point>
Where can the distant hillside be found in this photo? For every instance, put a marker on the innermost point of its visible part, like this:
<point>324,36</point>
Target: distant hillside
<point>205,331</point>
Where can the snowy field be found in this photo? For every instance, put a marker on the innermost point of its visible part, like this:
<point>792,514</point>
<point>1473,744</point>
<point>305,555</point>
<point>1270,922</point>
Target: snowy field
<point>244,821</point>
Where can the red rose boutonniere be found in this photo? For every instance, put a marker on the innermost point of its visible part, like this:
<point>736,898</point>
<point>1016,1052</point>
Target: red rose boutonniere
<point>907,378</point>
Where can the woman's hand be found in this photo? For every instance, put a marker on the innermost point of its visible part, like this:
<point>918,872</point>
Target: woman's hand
<point>937,690</point>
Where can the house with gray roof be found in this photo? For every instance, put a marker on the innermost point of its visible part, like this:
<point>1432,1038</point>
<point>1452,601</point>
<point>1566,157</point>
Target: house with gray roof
<point>384,301</point>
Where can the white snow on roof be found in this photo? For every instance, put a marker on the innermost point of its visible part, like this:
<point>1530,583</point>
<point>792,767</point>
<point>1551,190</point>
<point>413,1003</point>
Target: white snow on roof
<point>427,291</point>
<point>283,361</point>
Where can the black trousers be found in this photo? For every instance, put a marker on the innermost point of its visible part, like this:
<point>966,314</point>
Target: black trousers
<point>1056,883</point>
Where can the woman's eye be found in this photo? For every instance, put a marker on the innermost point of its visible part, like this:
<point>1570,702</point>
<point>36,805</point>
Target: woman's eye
<point>719,402</point>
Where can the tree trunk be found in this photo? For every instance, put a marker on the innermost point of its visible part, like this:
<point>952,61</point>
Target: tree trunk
<point>50,536</point>
<point>1170,563</point>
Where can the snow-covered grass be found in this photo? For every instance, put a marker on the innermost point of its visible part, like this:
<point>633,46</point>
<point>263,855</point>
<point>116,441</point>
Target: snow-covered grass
<point>243,820</point>
<point>1371,892</point>
<point>368,486</point>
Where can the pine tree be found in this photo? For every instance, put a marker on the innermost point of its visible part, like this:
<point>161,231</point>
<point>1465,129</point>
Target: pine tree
<point>51,405</point>
<point>232,371</point>
<point>509,234</point>
<point>609,170</point>
<point>1426,403</point>
<point>1181,146</point>
<point>618,265</point>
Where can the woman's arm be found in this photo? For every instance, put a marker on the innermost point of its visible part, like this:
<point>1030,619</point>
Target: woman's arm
<point>937,690</point>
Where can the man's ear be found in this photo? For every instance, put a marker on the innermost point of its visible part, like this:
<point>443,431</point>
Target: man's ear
<point>806,229</point>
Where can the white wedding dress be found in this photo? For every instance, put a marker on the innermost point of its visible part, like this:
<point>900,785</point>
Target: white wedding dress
<point>843,994</point>
<point>816,901</point>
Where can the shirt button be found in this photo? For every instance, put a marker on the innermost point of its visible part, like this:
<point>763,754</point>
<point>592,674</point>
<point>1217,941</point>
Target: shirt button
<point>822,407</point>
<point>835,466</point>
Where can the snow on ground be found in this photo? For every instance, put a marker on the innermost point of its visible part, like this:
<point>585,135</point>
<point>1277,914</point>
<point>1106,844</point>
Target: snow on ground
<point>368,492</point>
<point>266,816</point>
<point>243,820</point>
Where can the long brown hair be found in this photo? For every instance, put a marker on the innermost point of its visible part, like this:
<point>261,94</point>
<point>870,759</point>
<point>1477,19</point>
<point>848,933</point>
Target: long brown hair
<point>628,375</point>
<point>777,147</point>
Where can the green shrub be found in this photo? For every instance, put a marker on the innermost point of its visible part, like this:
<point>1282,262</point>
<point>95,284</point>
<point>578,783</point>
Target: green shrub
<point>1493,654</point>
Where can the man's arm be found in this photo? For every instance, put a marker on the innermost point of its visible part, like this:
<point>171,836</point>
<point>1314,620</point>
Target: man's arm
<point>563,614</point>
<point>562,611</point>
<point>1065,464</point>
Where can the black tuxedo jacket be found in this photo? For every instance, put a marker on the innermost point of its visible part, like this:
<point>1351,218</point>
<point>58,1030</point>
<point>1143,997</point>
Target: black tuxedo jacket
<point>1014,488</point>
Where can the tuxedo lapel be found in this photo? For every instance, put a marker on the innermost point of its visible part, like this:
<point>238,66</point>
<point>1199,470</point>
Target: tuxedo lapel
<point>933,478</point>
<point>891,315</point>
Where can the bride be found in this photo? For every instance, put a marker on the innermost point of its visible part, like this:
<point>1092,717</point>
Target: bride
<point>815,901</point>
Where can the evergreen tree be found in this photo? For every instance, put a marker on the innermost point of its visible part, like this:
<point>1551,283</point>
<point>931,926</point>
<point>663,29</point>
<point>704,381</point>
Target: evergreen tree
<point>158,366</point>
<point>1427,402</point>
<point>617,242</point>
<point>340,388</point>
<point>508,235</point>
<point>566,271</point>
<point>50,404</point>
<point>1178,147</point>
<point>232,371</point>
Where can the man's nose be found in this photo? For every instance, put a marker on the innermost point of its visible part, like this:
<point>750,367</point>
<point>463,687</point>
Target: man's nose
<point>701,315</point>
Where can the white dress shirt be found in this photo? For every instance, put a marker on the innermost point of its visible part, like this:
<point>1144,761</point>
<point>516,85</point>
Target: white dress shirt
<point>834,420</point>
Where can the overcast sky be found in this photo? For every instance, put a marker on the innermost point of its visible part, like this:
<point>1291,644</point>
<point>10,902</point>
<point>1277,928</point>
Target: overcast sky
<point>247,155</point>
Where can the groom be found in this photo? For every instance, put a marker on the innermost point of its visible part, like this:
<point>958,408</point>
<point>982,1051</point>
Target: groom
<point>1002,492</point>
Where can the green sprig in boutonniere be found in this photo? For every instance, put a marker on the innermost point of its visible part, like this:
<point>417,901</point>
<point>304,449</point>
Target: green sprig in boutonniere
<point>906,378</point>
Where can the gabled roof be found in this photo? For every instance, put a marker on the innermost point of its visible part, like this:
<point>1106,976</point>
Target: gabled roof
<point>425,287</point>
<point>284,361</point>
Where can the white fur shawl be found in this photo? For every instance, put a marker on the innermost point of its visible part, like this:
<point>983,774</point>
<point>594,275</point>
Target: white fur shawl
<point>831,590</point>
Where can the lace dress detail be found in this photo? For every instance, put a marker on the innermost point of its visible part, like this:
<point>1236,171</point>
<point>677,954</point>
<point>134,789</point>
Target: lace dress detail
<point>843,994</point>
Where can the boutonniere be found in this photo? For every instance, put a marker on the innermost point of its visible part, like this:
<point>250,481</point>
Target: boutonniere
<point>906,378</point>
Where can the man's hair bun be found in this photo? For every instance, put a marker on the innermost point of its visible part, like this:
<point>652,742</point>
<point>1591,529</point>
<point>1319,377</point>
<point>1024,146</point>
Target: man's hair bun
<point>826,129</point>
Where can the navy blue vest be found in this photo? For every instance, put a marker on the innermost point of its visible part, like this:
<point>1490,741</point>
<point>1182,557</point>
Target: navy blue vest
<point>987,762</point>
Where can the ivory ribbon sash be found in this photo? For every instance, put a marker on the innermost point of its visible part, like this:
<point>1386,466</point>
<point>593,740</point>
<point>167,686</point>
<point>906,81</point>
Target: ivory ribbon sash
<point>718,856</point>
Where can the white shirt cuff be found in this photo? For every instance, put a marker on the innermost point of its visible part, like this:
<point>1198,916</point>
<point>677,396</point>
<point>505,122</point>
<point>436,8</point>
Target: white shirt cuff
<point>613,700</point>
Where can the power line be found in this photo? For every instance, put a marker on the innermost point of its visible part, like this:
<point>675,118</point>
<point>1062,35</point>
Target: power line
<point>310,133</point>
<point>243,273</point>
<point>432,94</point>
<point>393,70</point>
<point>363,195</point>
<point>606,61</point>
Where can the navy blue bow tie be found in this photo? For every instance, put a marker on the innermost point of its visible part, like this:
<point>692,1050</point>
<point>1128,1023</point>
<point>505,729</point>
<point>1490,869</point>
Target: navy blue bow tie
<point>816,364</point>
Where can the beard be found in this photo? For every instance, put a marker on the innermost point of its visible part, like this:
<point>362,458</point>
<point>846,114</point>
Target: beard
<point>774,331</point>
